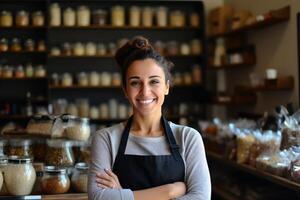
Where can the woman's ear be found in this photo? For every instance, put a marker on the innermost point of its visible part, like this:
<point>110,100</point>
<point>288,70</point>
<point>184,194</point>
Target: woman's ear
<point>124,91</point>
<point>167,87</point>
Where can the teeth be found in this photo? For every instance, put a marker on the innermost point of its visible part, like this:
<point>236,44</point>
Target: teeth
<point>146,101</point>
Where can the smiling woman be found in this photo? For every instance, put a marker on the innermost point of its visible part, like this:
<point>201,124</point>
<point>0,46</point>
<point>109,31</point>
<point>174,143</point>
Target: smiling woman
<point>147,157</point>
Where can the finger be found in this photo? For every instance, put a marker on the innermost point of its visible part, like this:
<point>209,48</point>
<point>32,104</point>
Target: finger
<point>103,176</point>
<point>110,173</point>
<point>110,184</point>
<point>102,186</point>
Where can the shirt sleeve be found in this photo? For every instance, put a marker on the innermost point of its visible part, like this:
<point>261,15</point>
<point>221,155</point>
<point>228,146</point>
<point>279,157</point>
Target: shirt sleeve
<point>101,158</point>
<point>197,177</point>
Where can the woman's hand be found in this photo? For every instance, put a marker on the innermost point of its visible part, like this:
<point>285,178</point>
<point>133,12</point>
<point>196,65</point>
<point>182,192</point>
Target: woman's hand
<point>178,189</point>
<point>108,180</point>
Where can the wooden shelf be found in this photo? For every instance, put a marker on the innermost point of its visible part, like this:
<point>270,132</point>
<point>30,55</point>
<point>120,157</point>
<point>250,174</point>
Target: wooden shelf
<point>110,27</point>
<point>22,27</point>
<point>231,66</point>
<point>74,87</point>
<point>112,56</point>
<point>272,20</point>
<point>23,52</point>
<point>24,79</point>
<point>251,170</point>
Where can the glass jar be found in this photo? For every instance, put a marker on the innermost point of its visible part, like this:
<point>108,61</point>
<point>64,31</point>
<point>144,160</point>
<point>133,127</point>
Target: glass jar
<point>187,78</point>
<point>59,153</point>
<point>3,164</point>
<point>7,72</point>
<point>72,109</point>
<point>79,179</point>
<point>177,18</point>
<point>29,45</point>
<point>194,19</point>
<point>122,111</point>
<point>20,147</point>
<point>105,79</point>
<point>159,46</point>
<point>40,125</point>
<point>172,48</point>
<point>134,16</point>
<point>3,45</point>
<point>147,16</point>
<point>196,74</point>
<point>19,72</point>
<point>6,19</point>
<point>55,14</point>
<point>78,49</point>
<point>83,16</point>
<point>116,79</point>
<point>29,70</point>
<point>15,45</point>
<point>40,71</point>
<point>41,46</point>
<point>184,49</point>
<point>22,18</point>
<point>103,110</point>
<point>94,79</point>
<point>67,49</point>
<point>55,79</point>
<point>19,175</point>
<point>117,16</point>
<point>78,128</point>
<point>94,112</point>
<point>38,18</point>
<point>39,149</point>
<point>162,16</point>
<point>113,108</point>
<point>3,145</point>
<point>83,107</point>
<point>82,79</point>
<point>55,51</point>
<point>196,47</point>
<point>101,49</point>
<point>112,48</point>
<point>99,17</point>
<point>55,180</point>
<point>91,49</point>
<point>37,187</point>
<point>69,17</point>
<point>67,80</point>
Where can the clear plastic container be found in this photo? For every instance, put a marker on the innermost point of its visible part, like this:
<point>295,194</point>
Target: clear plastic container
<point>79,178</point>
<point>19,175</point>
<point>59,153</point>
<point>78,128</point>
<point>20,147</point>
<point>55,180</point>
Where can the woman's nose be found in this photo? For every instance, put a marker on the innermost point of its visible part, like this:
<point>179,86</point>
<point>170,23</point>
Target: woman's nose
<point>145,89</point>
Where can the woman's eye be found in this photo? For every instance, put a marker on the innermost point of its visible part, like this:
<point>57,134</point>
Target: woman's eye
<point>134,83</point>
<point>153,82</point>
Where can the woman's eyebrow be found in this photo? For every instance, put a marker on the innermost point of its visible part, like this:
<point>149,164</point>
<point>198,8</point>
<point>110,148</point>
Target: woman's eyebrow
<point>134,77</point>
<point>155,76</point>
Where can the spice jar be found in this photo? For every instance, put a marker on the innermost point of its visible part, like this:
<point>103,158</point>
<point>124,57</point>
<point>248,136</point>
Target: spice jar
<point>20,147</point>
<point>59,153</point>
<point>91,49</point>
<point>116,79</point>
<point>55,14</point>
<point>117,16</point>
<point>67,49</point>
<point>3,45</point>
<point>38,18</point>
<point>84,152</point>
<point>79,178</point>
<point>101,49</point>
<point>177,18</point>
<point>83,107</point>
<point>40,71</point>
<point>112,48</point>
<point>6,19</point>
<point>79,49</point>
<point>29,45</point>
<point>67,80</point>
<point>159,46</point>
<point>37,187</point>
<point>83,16</point>
<point>172,48</point>
<point>134,16</point>
<point>15,45</point>
<point>72,109</point>
<point>147,16</point>
<point>19,175</point>
<point>78,128</point>
<point>82,79</point>
<point>55,51</point>
<point>7,72</point>
<point>55,180</point>
<point>99,17</point>
<point>19,72</point>
<point>184,49</point>
<point>105,79</point>
<point>94,79</point>
<point>41,46</point>
<point>162,16</point>
<point>94,112</point>
<point>194,19</point>
<point>22,18</point>
<point>103,110</point>
<point>69,17</point>
<point>196,47</point>
<point>196,74</point>
<point>29,70</point>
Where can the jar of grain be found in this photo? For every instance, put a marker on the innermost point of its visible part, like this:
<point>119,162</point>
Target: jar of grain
<point>67,80</point>
<point>19,175</point>
<point>6,19</point>
<point>94,78</point>
<point>117,16</point>
<point>22,18</point>
<point>38,18</point>
<point>55,14</point>
<point>78,49</point>
<point>3,164</point>
<point>177,18</point>
<point>82,79</point>
<point>20,147</point>
<point>29,45</point>
<point>147,16</point>
<point>83,16</point>
<point>55,180</point>
<point>83,107</point>
<point>69,17</point>
<point>99,17</point>
<point>78,128</point>
<point>91,49</point>
<point>59,153</point>
<point>162,16</point>
<point>15,45</point>
<point>40,71</point>
<point>79,178</point>
<point>3,45</point>
<point>134,16</point>
<point>194,19</point>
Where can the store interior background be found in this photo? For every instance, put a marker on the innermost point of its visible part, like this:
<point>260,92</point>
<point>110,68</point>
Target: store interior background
<point>275,46</point>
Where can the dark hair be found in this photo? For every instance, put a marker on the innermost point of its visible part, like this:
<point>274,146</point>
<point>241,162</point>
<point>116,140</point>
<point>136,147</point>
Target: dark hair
<point>139,48</point>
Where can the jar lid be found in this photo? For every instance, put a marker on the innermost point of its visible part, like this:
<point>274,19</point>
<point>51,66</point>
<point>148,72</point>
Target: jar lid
<point>5,12</point>
<point>19,159</point>
<point>100,11</point>
<point>59,143</point>
<point>22,12</point>
<point>20,142</point>
<point>55,170</point>
<point>3,160</point>
<point>82,166</point>
<point>38,12</point>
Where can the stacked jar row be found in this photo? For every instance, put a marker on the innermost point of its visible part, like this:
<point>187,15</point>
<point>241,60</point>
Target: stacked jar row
<point>137,16</point>
<point>22,18</point>
<point>87,79</point>
<point>16,45</point>
<point>112,109</point>
<point>20,71</point>
<point>188,78</point>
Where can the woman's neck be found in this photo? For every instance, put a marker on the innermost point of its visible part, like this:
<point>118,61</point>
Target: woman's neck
<point>149,125</point>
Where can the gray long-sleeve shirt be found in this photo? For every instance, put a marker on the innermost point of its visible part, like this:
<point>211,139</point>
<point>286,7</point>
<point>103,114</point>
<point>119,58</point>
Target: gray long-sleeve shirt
<point>105,146</point>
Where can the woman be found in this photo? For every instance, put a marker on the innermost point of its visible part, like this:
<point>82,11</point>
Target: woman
<point>147,157</point>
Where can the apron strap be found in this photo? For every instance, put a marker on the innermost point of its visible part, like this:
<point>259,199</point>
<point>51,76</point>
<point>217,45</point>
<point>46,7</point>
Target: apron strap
<point>124,137</point>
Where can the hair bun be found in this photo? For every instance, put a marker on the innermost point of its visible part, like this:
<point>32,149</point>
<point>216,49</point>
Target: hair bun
<point>141,43</point>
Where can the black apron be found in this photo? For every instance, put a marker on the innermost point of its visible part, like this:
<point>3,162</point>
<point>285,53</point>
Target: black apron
<point>138,172</point>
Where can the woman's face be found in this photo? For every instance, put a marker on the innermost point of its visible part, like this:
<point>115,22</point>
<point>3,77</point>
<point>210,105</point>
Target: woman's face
<point>146,86</point>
